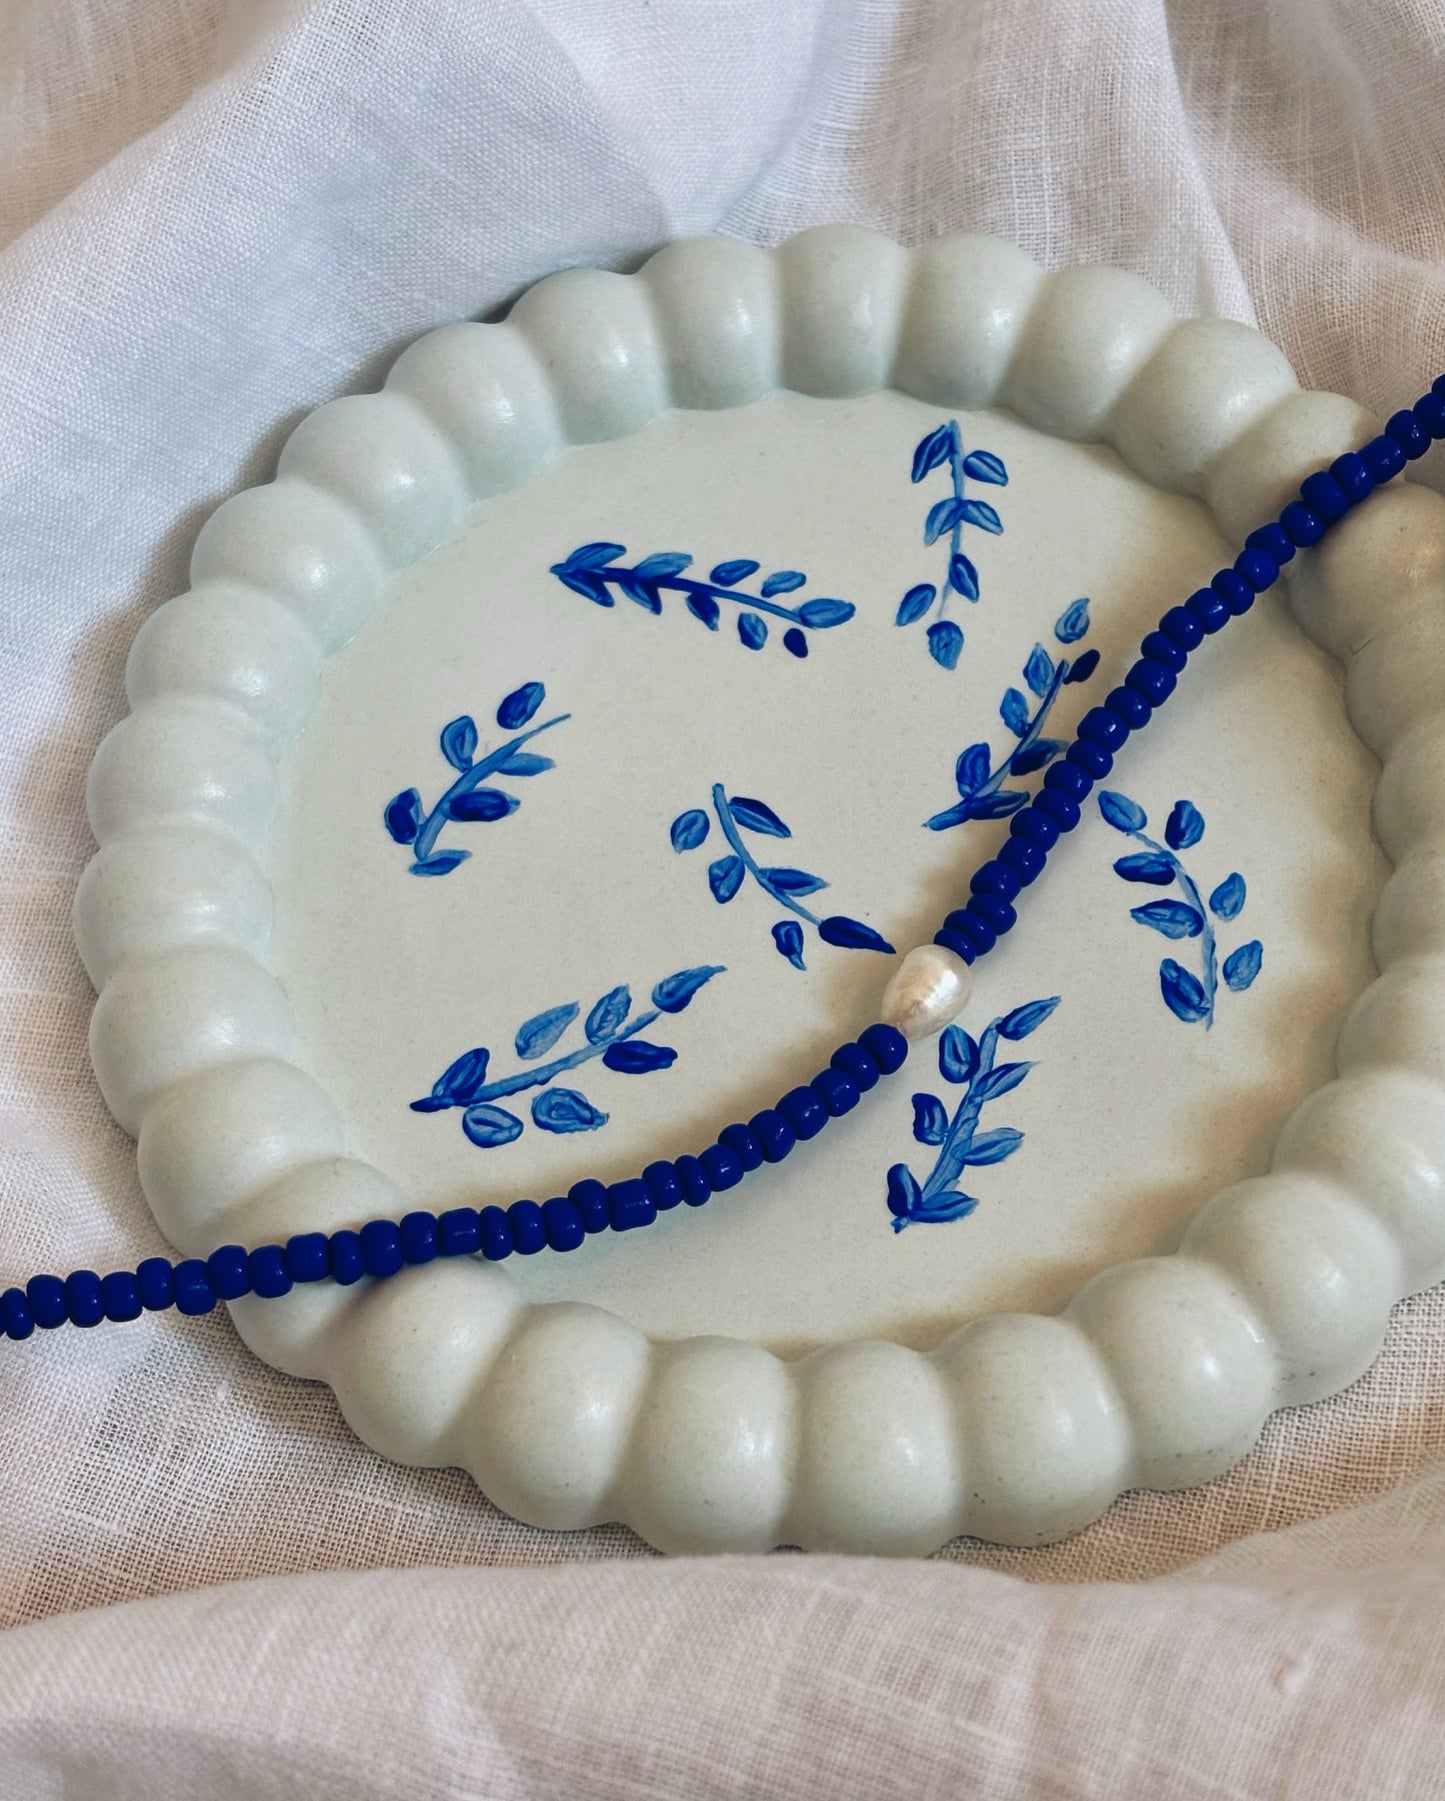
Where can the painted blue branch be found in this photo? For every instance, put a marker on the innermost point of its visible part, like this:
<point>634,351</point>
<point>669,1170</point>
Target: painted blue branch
<point>471,778</point>
<point>683,584</point>
<point>1208,953</point>
<point>542,1073</point>
<point>735,843</point>
<point>963,1126</point>
<point>955,538</point>
<point>1033,731</point>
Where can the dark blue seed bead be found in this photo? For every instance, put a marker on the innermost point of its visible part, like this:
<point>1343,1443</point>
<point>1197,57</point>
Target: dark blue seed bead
<point>1182,627</point>
<point>46,1295</point>
<point>1153,680</point>
<point>1100,726</point>
<point>82,1295</point>
<point>1208,608</point>
<point>665,1184</point>
<point>629,1205</point>
<point>998,913</point>
<point>1025,860</point>
<point>854,1061</point>
<point>156,1279</point>
<point>1430,411</point>
<point>348,1265</point>
<point>19,1321</point>
<point>1258,568</point>
<point>269,1274</point>
<point>230,1272</point>
<point>419,1237</point>
<point>529,1234</point>
<point>695,1186</point>
<point>563,1223</point>
<point>772,1131</point>
<point>1302,525</point>
<point>949,940</point>
<point>804,1112</point>
<point>837,1092</point>
<point>1034,828</point>
<point>886,1045</point>
<point>1273,538</point>
<point>1130,706</point>
<point>723,1165</point>
<point>997,878</point>
<point>496,1235</point>
<point>459,1232</point>
<point>1063,809</point>
<point>1234,591</point>
<point>193,1291</point>
<point>1324,497</point>
<point>973,930</point>
<point>590,1199</point>
<point>1408,433</point>
<point>1353,475</point>
<point>380,1247</point>
<point>306,1257</point>
<point>1164,650</point>
<point>740,1139</point>
<point>1093,759</point>
<point>120,1295</point>
<point>1383,458</point>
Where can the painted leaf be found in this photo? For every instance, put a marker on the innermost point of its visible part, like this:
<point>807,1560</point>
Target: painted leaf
<point>957,1055</point>
<point>992,1147</point>
<point>705,608</point>
<point>429,1104</point>
<point>608,1014</point>
<point>930,1119</point>
<point>1027,1018</point>
<point>945,642</point>
<point>485,804</point>
<point>1001,1079</point>
<point>903,1191</point>
<point>488,1126</point>
<point>819,614</point>
<point>594,556</point>
<point>915,603</point>
<point>958,814</point>
<point>788,938</point>
<point>1082,667</point>
<point>753,630</point>
<point>664,563</point>
<point>565,1110</point>
<point>689,829</point>
<point>459,741</point>
<point>725,877</point>
<point>1184,827</point>
<point>1039,671</point>
<point>1227,900</point>
<point>638,588</point>
<point>1183,994</point>
<point>635,1057</point>
<point>1073,622</point>
<point>590,587</point>
<point>984,466</point>
<point>1175,919</point>
<point>794,642</point>
<point>463,1080</point>
<point>980,513</point>
<point>727,575</point>
<point>674,992</point>
<point>1243,965</point>
<point>931,451</point>
<point>996,806</point>
<point>943,515</point>
<point>782,581</point>
<point>1146,866</point>
<point>1123,814</point>
<point>962,576</point>
<point>757,817</point>
<point>1013,710</point>
<point>1041,752</point>
<point>403,816</point>
<point>519,706</point>
<point>538,1034</point>
<point>441,862</point>
<point>971,770</point>
<point>852,934</point>
<point>525,762</point>
<point>941,1209</point>
<point>794,881</point>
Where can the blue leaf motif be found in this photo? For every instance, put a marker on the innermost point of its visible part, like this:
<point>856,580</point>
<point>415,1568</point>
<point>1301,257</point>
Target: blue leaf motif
<point>903,1191</point>
<point>758,817</point>
<point>460,1081</point>
<point>943,515</point>
<point>992,1147</point>
<point>565,1110</point>
<point>1227,900</point>
<point>942,1208</point>
<point>538,1034</point>
<point>1013,709</point>
<point>403,816</point>
<point>705,608</point>
<point>608,1014</point>
<point>932,450</point>
<point>594,556</point>
<point>1027,1018</point>
<point>794,642</point>
<point>1146,866</point>
<point>725,877</point>
<point>664,563</point>
<point>957,1055</point>
<point>783,581</point>
<point>1123,814</point>
<point>945,642</point>
<point>459,741</point>
<point>1073,622</point>
<point>1082,668</point>
<point>788,937</point>
<point>962,576</point>
<point>442,863</point>
<point>794,881</point>
<point>689,829</point>
<point>972,769</point>
<point>643,592</point>
<point>997,806</point>
<point>525,762</point>
<point>980,513</point>
<point>1183,994</point>
<point>1184,827</point>
<point>635,1057</point>
<point>930,1119</point>
<point>1039,671</point>
<point>819,614</point>
<point>519,706</point>
<point>674,992</point>
<point>728,575</point>
<point>852,935</point>
<point>1001,1079</point>
<point>753,630</point>
<point>984,466</point>
<point>959,814</point>
<point>485,804</point>
<point>1040,752</point>
<point>590,587</point>
<point>1243,965</point>
<point>487,1125</point>
<point>1175,919</point>
<point>915,603</point>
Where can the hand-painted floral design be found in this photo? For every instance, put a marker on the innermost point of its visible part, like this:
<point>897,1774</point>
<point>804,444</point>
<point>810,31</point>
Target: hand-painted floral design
<point>943,448</point>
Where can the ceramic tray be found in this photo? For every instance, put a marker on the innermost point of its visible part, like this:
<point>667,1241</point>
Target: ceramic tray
<point>687,638</point>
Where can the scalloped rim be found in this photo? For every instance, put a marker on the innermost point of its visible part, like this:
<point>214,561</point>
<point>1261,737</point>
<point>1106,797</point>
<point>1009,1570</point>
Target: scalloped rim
<point>1017,1428</point>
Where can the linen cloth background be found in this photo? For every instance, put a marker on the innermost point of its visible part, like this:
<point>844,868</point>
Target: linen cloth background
<point>215,214</point>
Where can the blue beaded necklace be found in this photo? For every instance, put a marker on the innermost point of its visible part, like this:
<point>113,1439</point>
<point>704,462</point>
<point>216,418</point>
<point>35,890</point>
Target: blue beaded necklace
<point>930,987</point>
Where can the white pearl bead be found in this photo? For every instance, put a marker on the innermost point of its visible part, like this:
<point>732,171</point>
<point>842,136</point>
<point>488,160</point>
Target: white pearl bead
<point>929,988</point>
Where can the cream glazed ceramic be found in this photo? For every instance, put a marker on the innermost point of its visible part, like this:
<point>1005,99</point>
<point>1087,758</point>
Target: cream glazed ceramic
<point>1173,1224</point>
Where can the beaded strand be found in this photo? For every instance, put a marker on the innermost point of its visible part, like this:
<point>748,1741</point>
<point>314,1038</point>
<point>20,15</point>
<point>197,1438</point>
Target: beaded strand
<point>382,1246</point>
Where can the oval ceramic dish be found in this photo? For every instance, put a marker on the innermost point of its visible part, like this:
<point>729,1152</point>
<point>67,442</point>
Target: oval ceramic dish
<point>692,634</point>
